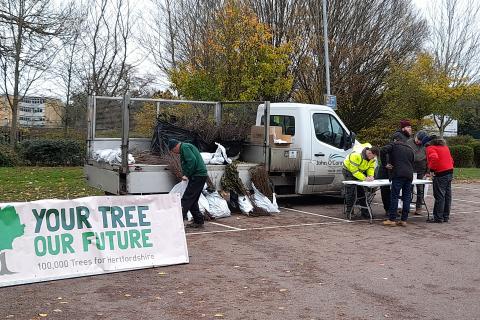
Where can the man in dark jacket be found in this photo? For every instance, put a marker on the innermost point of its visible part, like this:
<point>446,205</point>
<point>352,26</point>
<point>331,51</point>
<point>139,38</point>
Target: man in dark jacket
<point>195,172</point>
<point>400,162</point>
<point>402,134</point>
<point>440,162</point>
<point>419,166</point>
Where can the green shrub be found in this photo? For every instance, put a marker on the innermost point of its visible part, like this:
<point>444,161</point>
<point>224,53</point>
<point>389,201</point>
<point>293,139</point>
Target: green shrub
<point>462,155</point>
<point>460,140</point>
<point>476,153</point>
<point>8,156</point>
<point>45,152</point>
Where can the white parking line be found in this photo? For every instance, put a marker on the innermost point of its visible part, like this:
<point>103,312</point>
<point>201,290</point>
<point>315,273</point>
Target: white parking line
<point>316,214</point>
<point>462,212</point>
<point>269,228</point>
<point>299,225</point>
<point>469,201</point>
<point>211,232</point>
<point>454,187</point>
<point>224,225</point>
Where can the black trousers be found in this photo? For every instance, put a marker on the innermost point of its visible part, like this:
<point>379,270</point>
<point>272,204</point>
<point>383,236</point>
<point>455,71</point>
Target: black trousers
<point>442,192</point>
<point>350,193</point>
<point>420,190</point>
<point>191,196</point>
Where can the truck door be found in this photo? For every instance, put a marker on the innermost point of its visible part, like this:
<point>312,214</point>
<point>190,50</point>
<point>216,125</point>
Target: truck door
<point>329,139</point>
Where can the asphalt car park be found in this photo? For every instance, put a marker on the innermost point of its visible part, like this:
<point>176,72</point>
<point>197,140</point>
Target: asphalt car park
<point>306,262</point>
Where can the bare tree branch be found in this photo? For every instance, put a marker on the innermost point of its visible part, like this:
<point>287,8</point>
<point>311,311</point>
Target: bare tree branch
<point>455,38</point>
<point>30,27</point>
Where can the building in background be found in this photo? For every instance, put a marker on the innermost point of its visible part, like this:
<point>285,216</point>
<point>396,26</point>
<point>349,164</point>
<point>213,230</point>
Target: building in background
<point>33,112</point>
<point>451,129</point>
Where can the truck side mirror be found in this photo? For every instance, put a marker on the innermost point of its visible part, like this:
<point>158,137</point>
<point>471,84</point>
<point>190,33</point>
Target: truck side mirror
<point>350,140</point>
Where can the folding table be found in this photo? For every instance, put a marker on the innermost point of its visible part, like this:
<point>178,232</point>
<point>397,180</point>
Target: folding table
<point>370,188</point>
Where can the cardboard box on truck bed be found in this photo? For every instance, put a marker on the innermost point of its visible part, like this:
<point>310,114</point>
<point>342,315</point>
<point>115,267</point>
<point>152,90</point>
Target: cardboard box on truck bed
<point>284,137</point>
<point>257,134</point>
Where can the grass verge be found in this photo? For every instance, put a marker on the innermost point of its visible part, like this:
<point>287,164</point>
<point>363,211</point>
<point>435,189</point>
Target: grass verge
<point>34,183</point>
<point>467,174</point>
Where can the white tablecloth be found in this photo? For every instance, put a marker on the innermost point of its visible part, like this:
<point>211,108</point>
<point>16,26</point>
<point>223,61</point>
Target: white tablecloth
<point>382,182</point>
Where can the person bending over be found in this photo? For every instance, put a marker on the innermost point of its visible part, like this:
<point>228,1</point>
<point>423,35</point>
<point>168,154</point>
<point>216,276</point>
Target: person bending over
<point>195,172</point>
<point>358,166</point>
<point>440,162</point>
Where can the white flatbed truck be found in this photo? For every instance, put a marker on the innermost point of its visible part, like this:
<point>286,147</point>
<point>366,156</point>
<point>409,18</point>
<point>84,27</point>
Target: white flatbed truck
<point>311,164</point>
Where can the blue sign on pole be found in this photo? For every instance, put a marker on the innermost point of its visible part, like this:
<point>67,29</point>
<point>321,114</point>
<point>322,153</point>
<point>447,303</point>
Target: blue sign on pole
<point>331,101</point>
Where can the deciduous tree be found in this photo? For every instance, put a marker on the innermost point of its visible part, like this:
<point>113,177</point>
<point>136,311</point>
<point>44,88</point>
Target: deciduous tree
<point>424,88</point>
<point>29,29</point>
<point>455,38</point>
<point>236,61</point>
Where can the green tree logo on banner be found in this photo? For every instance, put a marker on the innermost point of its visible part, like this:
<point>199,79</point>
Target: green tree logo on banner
<point>10,229</point>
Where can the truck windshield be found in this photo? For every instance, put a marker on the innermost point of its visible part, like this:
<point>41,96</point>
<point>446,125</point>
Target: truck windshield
<point>329,130</point>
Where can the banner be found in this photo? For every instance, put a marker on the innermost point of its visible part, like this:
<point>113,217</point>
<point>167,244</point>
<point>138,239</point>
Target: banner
<point>55,239</point>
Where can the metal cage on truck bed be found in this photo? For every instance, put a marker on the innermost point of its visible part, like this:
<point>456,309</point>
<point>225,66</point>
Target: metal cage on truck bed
<point>123,122</point>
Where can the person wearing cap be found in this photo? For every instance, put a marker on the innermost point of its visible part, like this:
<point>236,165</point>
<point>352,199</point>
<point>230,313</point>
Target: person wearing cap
<point>399,157</point>
<point>195,172</point>
<point>404,133</point>
<point>359,166</point>
<point>440,163</point>
<point>419,166</point>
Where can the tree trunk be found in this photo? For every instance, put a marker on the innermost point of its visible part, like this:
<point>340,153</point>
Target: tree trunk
<point>441,128</point>
<point>3,265</point>
<point>16,82</point>
<point>13,128</point>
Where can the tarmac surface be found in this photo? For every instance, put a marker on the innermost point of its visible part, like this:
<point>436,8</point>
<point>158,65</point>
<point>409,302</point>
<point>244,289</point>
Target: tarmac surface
<point>306,262</point>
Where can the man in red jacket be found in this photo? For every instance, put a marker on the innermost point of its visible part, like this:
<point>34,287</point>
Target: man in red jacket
<point>440,162</point>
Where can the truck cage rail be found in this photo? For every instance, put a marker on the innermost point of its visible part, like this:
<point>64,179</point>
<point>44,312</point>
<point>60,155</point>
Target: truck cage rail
<point>126,101</point>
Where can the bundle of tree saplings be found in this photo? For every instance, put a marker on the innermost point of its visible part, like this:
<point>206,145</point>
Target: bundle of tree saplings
<point>232,183</point>
<point>260,178</point>
<point>174,165</point>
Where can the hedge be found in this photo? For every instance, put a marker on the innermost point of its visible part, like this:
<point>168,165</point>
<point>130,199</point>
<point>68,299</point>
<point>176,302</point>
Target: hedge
<point>8,156</point>
<point>476,153</point>
<point>462,155</point>
<point>46,152</point>
<point>461,140</point>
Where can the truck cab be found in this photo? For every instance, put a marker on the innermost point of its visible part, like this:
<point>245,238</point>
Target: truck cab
<point>323,140</point>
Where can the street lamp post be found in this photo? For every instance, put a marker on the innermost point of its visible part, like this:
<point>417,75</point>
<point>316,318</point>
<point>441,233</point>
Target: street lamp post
<point>325,44</point>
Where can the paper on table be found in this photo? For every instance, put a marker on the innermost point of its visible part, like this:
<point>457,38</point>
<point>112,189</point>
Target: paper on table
<point>382,182</point>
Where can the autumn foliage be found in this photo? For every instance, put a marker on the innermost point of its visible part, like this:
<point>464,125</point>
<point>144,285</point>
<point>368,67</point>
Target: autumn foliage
<point>236,61</point>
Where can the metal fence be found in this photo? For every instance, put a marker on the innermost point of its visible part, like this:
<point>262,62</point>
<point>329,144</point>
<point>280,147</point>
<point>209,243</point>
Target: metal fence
<point>5,135</point>
<point>227,121</point>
